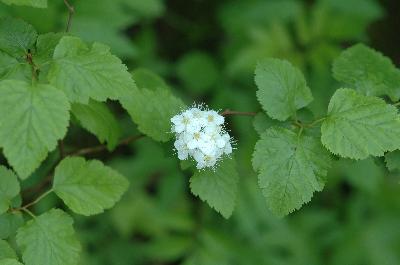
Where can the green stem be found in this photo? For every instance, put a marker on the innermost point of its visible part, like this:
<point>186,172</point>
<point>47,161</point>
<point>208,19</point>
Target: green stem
<point>316,122</point>
<point>28,212</point>
<point>37,200</point>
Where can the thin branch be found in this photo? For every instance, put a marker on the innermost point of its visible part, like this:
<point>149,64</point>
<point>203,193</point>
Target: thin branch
<point>90,150</point>
<point>37,200</point>
<point>100,148</point>
<point>71,11</point>
<point>229,112</point>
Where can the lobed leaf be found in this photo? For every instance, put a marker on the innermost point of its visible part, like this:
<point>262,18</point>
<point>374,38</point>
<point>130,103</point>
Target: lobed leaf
<point>368,71</point>
<point>99,120</point>
<point>16,37</point>
<point>84,72</point>
<point>282,88</point>
<point>218,187</point>
<point>34,117</point>
<point>290,167</point>
<point>9,223</point>
<point>358,126</point>
<point>49,239</point>
<point>88,187</point>
<point>9,188</point>
<point>151,105</point>
<point>6,251</point>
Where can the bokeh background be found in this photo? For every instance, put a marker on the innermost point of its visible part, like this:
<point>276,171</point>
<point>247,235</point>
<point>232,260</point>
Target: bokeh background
<point>206,51</point>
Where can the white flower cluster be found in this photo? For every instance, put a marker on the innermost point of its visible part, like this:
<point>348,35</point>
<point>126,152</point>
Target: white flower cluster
<point>200,134</point>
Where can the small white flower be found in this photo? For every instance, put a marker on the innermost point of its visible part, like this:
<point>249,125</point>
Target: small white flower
<point>213,118</point>
<point>200,134</point>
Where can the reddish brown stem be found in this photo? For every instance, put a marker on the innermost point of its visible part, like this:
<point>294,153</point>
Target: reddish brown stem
<point>229,112</point>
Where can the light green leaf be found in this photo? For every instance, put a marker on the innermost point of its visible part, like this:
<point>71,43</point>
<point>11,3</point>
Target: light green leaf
<point>11,68</point>
<point>9,188</point>
<point>83,72</point>
<point>88,187</point>
<point>10,262</point>
<point>16,37</point>
<point>217,187</point>
<point>9,223</point>
<point>358,126</point>
<point>33,3</point>
<point>49,239</point>
<point>368,71</point>
<point>34,117</point>
<point>99,120</point>
<point>282,88</point>
<point>6,252</point>
<point>392,160</point>
<point>152,107</point>
<point>290,167</point>
<point>45,46</point>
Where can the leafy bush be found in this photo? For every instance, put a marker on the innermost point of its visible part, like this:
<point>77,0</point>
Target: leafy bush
<point>89,173</point>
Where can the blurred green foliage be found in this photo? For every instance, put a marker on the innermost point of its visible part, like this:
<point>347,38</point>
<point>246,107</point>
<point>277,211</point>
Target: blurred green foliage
<point>207,51</point>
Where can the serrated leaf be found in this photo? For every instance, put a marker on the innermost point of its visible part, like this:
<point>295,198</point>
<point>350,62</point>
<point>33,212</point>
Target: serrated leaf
<point>152,107</point>
<point>16,37</point>
<point>290,167</point>
<point>358,126</point>
<point>99,120</point>
<point>33,3</point>
<point>11,68</point>
<point>45,46</point>
<point>282,88</point>
<point>217,187</point>
<point>392,160</point>
<point>34,117</point>
<point>88,187</point>
<point>84,72</point>
<point>10,262</point>
<point>49,239</point>
<point>9,188</point>
<point>368,71</point>
<point>9,223</point>
<point>6,251</point>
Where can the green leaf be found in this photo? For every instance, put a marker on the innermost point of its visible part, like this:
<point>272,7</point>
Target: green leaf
<point>392,160</point>
<point>49,239</point>
<point>291,168</point>
<point>88,187</point>
<point>99,120</point>
<point>16,37</point>
<point>282,88</point>
<point>358,126</point>
<point>37,116</point>
<point>10,262</point>
<point>83,72</point>
<point>218,187</point>
<point>45,46</point>
<point>33,3</point>
<point>6,252</point>
<point>367,70</point>
<point>9,223</point>
<point>9,188</point>
<point>11,68</point>
<point>151,106</point>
